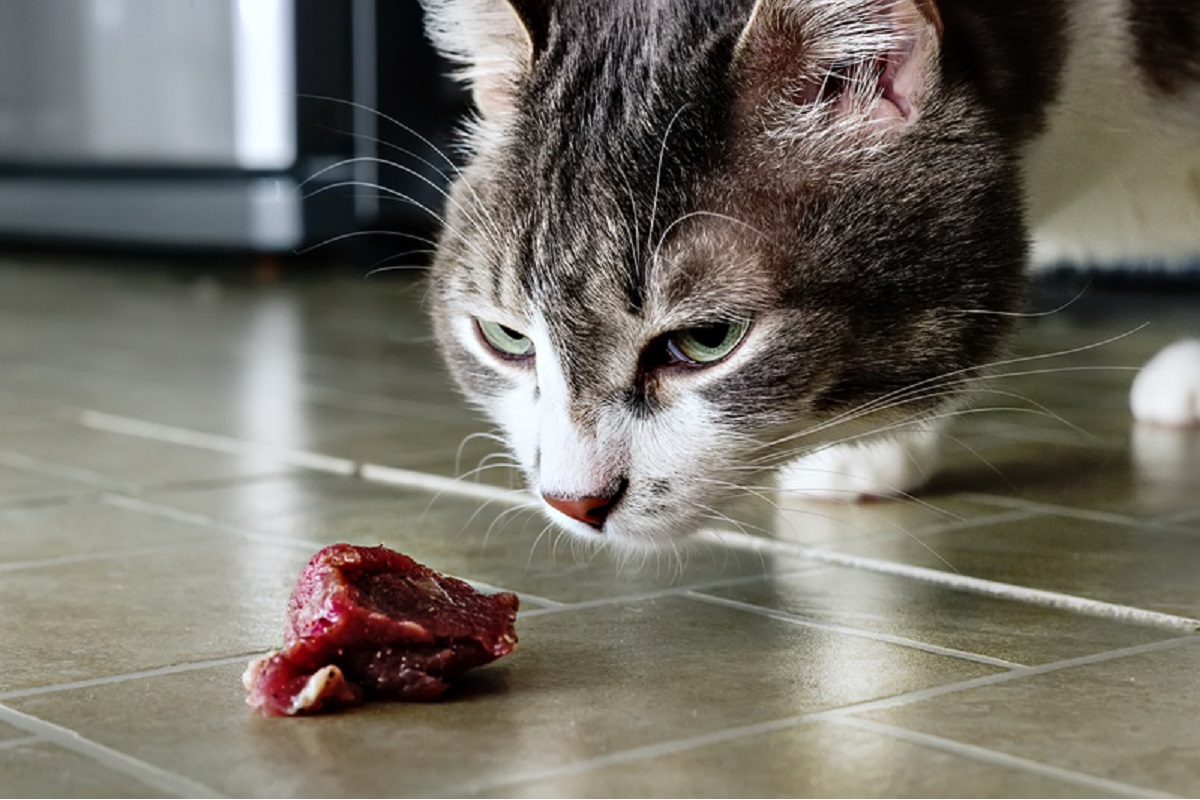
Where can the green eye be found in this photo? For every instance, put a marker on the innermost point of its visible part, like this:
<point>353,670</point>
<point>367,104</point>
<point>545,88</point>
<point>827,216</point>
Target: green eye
<point>505,341</point>
<point>706,344</point>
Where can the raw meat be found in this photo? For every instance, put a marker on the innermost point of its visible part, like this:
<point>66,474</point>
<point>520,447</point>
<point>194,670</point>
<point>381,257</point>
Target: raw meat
<point>368,622</point>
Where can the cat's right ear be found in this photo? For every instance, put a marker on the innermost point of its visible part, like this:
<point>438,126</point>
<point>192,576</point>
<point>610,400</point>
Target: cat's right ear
<point>494,43</point>
<point>842,68</point>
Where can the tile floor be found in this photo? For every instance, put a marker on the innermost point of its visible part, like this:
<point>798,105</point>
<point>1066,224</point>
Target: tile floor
<point>173,450</point>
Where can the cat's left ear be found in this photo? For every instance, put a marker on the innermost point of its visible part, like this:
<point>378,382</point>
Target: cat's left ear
<point>494,42</point>
<point>863,64</point>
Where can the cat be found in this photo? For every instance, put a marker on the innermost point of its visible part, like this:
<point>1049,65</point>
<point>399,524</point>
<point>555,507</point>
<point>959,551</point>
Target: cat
<point>699,239</point>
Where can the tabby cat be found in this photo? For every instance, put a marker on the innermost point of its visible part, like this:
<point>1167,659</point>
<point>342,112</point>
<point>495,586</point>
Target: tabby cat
<point>701,238</point>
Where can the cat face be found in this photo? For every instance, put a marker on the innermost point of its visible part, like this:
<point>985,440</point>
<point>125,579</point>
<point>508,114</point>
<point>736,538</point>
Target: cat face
<point>698,238</point>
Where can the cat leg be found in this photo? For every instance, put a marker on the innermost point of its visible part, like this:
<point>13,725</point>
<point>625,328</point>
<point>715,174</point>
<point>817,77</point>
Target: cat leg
<point>1167,390</point>
<point>882,467</point>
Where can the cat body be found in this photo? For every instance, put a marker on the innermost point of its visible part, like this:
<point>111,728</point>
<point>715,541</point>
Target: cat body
<point>698,240</point>
<point>1113,176</point>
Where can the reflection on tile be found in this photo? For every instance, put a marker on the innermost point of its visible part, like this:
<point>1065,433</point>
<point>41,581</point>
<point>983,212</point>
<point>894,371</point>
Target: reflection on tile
<point>78,620</point>
<point>131,460</point>
<point>818,523</point>
<point>8,732</point>
<point>128,617</point>
<point>1153,481</point>
<point>80,529</point>
<point>271,502</point>
<point>17,423</point>
<point>812,760</point>
<point>25,486</point>
<point>486,541</point>
<point>41,769</point>
<point>1146,567</point>
<point>1131,719</point>
<point>1016,632</point>
<point>580,684</point>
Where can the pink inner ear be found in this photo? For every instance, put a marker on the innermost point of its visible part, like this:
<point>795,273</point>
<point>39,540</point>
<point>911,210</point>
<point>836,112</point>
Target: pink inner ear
<point>899,78</point>
<point>903,81</point>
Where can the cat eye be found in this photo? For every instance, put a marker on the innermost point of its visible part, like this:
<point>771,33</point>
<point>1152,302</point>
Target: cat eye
<point>706,344</point>
<point>507,342</point>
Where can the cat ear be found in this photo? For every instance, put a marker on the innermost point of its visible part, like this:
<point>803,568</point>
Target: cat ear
<point>864,64</point>
<point>494,42</point>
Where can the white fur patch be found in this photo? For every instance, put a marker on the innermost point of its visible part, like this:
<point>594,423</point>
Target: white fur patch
<point>1167,390</point>
<point>847,473</point>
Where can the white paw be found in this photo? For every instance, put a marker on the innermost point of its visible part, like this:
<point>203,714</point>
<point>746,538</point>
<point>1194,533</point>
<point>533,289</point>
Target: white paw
<point>1167,390</point>
<point>848,473</point>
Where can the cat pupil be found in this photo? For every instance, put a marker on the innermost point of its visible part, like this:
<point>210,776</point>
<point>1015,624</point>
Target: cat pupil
<point>711,336</point>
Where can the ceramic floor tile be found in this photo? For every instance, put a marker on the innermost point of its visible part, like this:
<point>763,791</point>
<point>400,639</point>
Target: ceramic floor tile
<point>1141,566</point>
<point>581,684</point>
<point>40,769</point>
<point>132,461</point>
<point>1157,474</point>
<point>1131,719</point>
<point>479,539</point>
<point>23,485</point>
<point>271,502</point>
<point>348,368</point>
<point>820,523</point>
<point>17,405</point>
<point>812,760</point>
<point>1020,633</point>
<point>81,529</point>
<point>78,620</point>
<point>8,733</point>
<point>17,423</point>
<point>258,403</point>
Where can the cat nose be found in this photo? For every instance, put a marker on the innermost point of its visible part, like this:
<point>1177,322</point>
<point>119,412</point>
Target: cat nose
<point>588,510</point>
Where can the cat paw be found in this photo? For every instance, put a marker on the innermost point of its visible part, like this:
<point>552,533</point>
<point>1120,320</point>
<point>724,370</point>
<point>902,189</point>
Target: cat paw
<point>851,473</point>
<point>1167,390</point>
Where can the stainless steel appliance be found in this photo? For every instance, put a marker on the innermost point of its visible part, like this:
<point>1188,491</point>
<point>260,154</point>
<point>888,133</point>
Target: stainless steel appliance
<point>195,122</point>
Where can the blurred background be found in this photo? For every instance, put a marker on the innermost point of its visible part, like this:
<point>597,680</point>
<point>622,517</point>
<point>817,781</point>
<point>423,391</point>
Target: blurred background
<point>220,126</point>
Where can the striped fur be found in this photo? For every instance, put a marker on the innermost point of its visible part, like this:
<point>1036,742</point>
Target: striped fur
<point>850,175</point>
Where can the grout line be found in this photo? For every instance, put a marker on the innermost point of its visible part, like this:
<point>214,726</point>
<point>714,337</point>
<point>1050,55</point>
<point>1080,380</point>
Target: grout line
<point>981,586</point>
<point>38,466</point>
<point>999,758</point>
<point>222,526</point>
<point>490,588</point>
<point>242,533</point>
<point>1005,677</point>
<point>1055,510</point>
<point>20,741</point>
<point>861,633</point>
<point>1181,518</point>
<point>100,555</point>
<point>90,683</point>
<point>421,480</point>
<point>395,476</point>
<point>659,749</point>
<point>1004,517</point>
<point>657,594</point>
<point>143,771</point>
<point>46,501</point>
<point>128,426</point>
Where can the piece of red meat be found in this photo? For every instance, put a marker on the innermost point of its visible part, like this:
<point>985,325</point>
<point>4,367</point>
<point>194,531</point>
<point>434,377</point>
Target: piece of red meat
<point>368,622</point>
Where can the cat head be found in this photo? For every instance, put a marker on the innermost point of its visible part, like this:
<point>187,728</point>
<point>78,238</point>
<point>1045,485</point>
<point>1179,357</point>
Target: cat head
<point>692,230</point>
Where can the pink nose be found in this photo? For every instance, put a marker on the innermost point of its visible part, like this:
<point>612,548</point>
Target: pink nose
<point>588,510</point>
